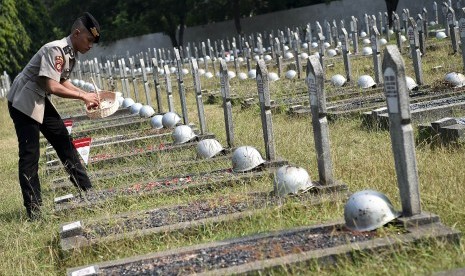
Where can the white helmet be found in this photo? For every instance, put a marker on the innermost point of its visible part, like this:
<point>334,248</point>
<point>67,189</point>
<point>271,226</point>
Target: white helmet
<point>403,38</point>
<point>411,84</point>
<point>267,58</point>
<point>382,41</point>
<point>81,83</point>
<point>208,75</point>
<point>242,76</point>
<point>363,34</point>
<point>338,80</point>
<point>291,74</point>
<point>208,148</point>
<point>366,41</point>
<point>332,53</point>
<point>272,76</point>
<point>75,82</point>
<point>170,119</point>
<point>288,55</point>
<point>367,51</point>
<point>455,79</point>
<point>156,121</point>
<point>246,158</point>
<point>128,102</point>
<point>135,108</point>
<point>231,74</point>
<point>291,180</point>
<point>172,69</point>
<point>120,100</point>
<point>368,210</point>
<point>303,55</point>
<point>305,45</point>
<point>314,45</point>
<point>201,72</point>
<point>326,45</point>
<point>185,71</point>
<point>183,134</point>
<point>146,111</point>
<point>366,81</point>
<point>252,74</point>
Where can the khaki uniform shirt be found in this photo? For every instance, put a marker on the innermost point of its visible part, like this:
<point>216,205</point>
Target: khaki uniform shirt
<point>55,60</point>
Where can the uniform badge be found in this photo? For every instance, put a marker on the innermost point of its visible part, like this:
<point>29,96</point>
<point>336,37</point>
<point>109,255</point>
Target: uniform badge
<point>59,63</point>
<point>68,51</point>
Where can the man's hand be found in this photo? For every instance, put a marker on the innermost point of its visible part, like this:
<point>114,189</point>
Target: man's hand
<point>91,100</point>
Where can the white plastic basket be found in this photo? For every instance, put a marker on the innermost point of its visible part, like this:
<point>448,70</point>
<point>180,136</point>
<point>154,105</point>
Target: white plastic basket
<point>108,105</point>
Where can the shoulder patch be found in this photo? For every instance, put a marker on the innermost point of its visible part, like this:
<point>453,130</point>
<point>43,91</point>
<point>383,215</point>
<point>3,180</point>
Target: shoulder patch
<point>59,63</point>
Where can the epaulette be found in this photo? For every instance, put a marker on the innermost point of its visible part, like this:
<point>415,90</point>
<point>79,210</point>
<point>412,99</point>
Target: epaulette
<point>68,51</point>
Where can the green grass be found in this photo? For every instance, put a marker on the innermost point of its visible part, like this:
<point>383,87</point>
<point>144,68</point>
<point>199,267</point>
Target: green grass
<point>361,159</point>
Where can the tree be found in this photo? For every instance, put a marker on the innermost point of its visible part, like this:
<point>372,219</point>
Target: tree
<point>14,40</point>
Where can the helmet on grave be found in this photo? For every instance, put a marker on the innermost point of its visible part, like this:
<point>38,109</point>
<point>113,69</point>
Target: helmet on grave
<point>411,84</point>
<point>291,180</point>
<point>183,134</point>
<point>252,74</point>
<point>363,34</point>
<point>208,148</point>
<point>338,80</point>
<point>366,81</point>
<point>368,210</point>
<point>127,102</point>
<point>366,51</point>
<point>332,53</point>
<point>455,79</point>
<point>272,76</point>
<point>146,111</point>
<point>441,35</point>
<point>135,108</point>
<point>290,74</point>
<point>156,121</point>
<point>246,158</point>
<point>170,119</point>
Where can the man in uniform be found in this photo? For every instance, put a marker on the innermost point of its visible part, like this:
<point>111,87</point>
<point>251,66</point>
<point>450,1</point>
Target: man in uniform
<point>31,110</point>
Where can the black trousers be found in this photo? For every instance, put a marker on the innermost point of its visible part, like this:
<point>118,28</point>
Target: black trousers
<point>54,130</point>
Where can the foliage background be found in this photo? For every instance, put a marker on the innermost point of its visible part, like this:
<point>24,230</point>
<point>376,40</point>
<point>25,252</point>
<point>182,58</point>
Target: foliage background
<point>25,25</point>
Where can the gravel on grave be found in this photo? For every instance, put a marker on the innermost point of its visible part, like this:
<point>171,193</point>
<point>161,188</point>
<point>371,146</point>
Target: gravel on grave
<point>238,253</point>
<point>196,210</point>
<point>140,188</point>
<point>133,151</point>
<point>105,174</point>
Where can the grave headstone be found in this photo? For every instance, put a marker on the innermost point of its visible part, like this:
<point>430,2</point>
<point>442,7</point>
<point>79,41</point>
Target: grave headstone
<point>315,82</point>
<point>181,88</point>
<point>156,81</point>
<point>169,88</point>
<point>445,9</point>
<point>265,107</point>
<point>424,15</point>
<point>387,28</point>
<point>134,79</point>
<point>354,32</point>
<point>227,105</point>
<point>278,57</point>
<point>198,96</point>
<point>366,23</point>
<point>462,33</point>
<point>247,56</point>
<point>453,30</point>
<point>328,34</point>
<point>297,56</point>
<point>236,64</point>
<point>204,54</point>
<point>421,34</point>
<point>435,12</point>
<point>344,37</point>
<point>146,84</point>
<point>396,22</point>
<point>321,50</point>
<point>412,33</point>
<point>374,38</point>
<point>401,131</point>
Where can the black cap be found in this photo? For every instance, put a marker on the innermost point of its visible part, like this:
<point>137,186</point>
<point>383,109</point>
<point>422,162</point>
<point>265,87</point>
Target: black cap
<point>92,25</point>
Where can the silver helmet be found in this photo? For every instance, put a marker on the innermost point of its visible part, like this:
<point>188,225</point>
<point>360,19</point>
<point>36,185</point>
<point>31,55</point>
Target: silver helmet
<point>135,108</point>
<point>208,148</point>
<point>183,134</point>
<point>368,210</point>
<point>366,81</point>
<point>156,121</point>
<point>127,102</point>
<point>411,84</point>
<point>170,119</point>
<point>367,51</point>
<point>246,158</point>
<point>291,180</point>
<point>338,80</point>
<point>146,111</point>
<point>455,79</point>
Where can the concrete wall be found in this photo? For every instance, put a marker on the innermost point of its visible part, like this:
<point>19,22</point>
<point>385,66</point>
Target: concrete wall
<point>338,10</point>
